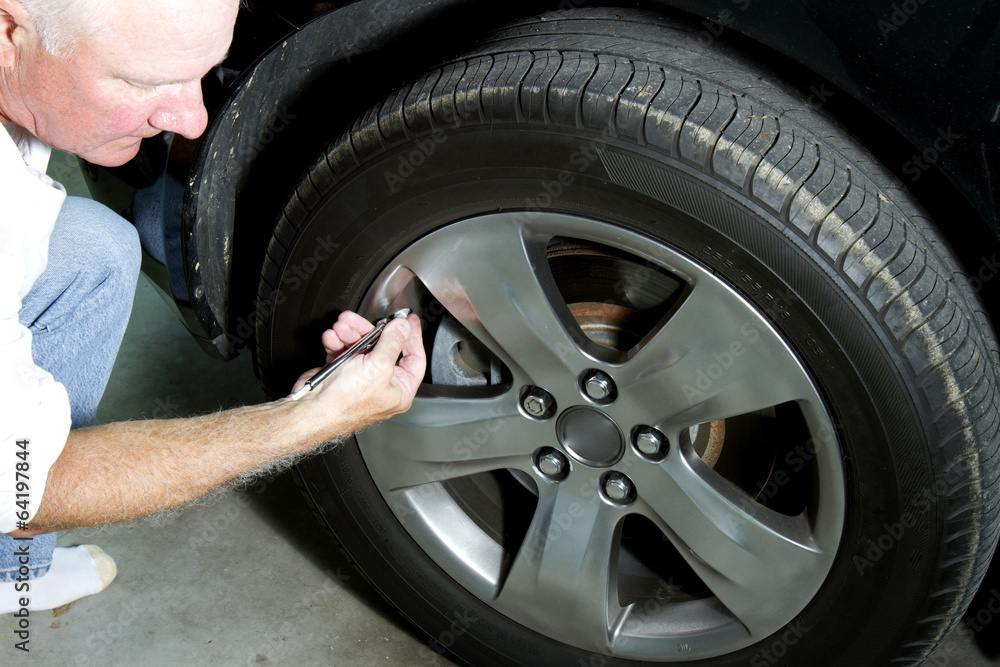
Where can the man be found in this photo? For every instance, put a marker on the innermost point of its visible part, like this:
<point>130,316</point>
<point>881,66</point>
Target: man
<point>93,78</point>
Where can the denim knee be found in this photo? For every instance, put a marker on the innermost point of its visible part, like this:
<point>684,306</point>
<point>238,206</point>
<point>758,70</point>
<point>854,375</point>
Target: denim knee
<point>79,307</point>
<point>105,244</point>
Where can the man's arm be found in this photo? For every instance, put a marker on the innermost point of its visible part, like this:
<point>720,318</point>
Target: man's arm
<point>121,471</point>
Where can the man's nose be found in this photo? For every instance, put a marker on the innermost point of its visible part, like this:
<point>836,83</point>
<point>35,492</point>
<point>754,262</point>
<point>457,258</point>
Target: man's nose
<point>182,111</point>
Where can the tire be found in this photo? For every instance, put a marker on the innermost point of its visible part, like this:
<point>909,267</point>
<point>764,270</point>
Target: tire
<point>705,385</point>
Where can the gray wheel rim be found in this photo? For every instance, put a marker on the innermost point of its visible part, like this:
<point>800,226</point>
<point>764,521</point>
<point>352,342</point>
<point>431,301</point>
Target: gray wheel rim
<point>761,567</point>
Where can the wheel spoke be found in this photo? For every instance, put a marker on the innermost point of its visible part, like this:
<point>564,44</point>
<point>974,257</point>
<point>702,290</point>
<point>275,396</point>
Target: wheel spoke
<point>446,438</point>
<point>714,358</point>
<point>568,561</point>
<point>757,562</point>
<point>503,293</point>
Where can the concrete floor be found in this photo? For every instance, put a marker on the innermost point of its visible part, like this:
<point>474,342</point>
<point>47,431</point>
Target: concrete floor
<point>249,578</point>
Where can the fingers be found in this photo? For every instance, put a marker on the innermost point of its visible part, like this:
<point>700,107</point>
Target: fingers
<point>401,341</point>
<point>372,386</point>
<point>391,344</point>
<point>400,337</point>
<point>347,330</point>
<point>414,362</point>
<point>349,320</point>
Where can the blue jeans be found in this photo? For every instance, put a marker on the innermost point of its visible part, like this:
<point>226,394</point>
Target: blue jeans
<point>77,311</point>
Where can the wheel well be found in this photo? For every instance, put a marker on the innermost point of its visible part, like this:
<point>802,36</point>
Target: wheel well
<point>292,131</point>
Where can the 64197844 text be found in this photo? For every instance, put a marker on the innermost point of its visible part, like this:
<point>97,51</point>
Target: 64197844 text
<point>22,550</point>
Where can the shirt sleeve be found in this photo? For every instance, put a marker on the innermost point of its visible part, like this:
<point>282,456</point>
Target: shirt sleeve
<point>34,408</point>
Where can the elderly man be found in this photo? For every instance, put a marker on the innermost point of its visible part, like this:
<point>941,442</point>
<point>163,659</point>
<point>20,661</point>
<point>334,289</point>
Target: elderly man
<point>93,78</point>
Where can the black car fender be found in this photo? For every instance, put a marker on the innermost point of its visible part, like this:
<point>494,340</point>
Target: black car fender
<point>322,75</point>
<point>241,174</point>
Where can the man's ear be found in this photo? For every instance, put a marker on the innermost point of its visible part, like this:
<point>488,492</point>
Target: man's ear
<point>12,20</point>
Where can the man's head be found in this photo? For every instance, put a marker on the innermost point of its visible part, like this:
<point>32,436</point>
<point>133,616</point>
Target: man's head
<point>61,24</point>
<point>93,78</point>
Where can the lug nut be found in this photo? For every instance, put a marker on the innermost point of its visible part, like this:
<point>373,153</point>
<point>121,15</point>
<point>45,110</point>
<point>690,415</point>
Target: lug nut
<point>618,487</point>
<point>599,386</point>
<point>538,403</point>
<point>552,464</point>
<point>650,441</point>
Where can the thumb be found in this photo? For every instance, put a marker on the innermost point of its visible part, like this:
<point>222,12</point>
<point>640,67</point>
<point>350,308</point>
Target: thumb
<point>390,344</point>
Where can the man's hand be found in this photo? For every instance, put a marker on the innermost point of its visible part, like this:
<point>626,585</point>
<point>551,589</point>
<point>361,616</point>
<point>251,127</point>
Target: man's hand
<point>371,387</point>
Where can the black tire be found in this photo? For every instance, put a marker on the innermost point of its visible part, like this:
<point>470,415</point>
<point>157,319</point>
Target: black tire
<point>650,167</point>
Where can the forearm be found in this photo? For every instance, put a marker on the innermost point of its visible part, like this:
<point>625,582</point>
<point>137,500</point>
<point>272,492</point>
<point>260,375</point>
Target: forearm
<point>126,470</point>
<point>122,471</point>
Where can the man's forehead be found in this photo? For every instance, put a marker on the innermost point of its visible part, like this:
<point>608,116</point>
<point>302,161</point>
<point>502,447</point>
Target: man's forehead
<point>164,45</point>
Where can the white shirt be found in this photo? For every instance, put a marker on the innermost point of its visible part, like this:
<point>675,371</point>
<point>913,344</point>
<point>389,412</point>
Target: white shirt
<point>33,406</point>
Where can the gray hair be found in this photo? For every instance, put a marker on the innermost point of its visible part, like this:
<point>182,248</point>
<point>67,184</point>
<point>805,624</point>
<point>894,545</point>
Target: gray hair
<point>61,24</point>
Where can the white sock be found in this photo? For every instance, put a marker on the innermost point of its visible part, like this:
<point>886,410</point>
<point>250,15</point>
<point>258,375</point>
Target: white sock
<point>75,573</point>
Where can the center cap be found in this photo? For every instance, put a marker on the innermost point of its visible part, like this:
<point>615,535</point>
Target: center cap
<point>590,436</point>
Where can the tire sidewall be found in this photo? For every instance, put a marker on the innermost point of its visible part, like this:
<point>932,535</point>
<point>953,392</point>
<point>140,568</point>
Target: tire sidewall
<point>419,186</point>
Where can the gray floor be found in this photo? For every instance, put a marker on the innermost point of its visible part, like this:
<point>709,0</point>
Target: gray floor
<point>248,579</point>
